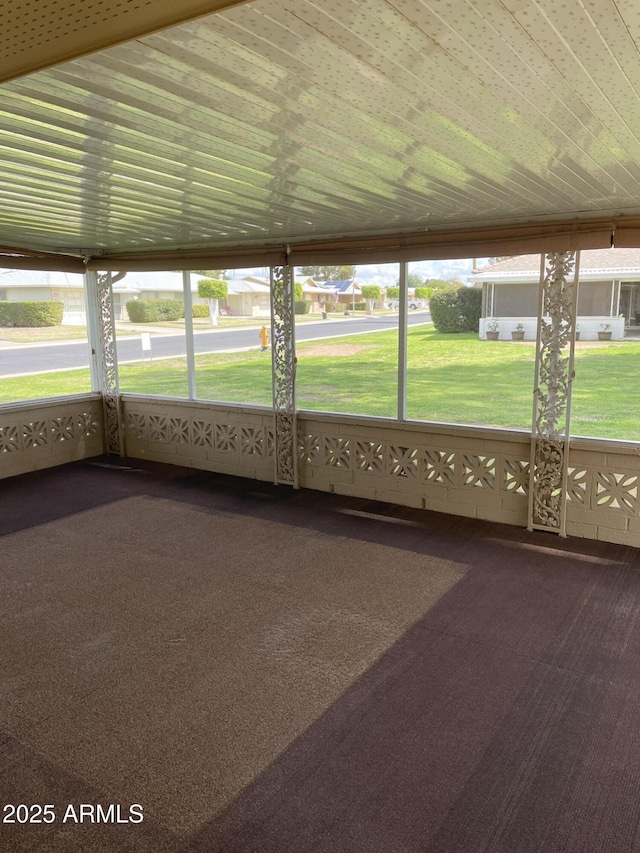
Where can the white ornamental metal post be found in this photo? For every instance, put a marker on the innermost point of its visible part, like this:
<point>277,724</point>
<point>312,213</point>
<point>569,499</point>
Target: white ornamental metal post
<point>552,391</point>
<point>283,359</point>
<point>109,364</point>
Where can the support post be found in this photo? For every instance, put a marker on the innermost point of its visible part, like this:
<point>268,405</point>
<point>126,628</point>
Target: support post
<point>108,371</point>
<point>283,360</point>
<point>552,391</point>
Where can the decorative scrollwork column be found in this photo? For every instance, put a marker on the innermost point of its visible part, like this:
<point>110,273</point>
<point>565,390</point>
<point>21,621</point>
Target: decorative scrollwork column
<point>283,354</point>
<point>109,372</point>
<point>552,391</point>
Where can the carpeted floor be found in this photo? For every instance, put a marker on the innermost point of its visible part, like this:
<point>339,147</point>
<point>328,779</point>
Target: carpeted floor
<point>270,671</point>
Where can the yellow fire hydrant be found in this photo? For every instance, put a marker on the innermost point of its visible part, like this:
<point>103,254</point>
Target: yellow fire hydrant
<point>264,338</point>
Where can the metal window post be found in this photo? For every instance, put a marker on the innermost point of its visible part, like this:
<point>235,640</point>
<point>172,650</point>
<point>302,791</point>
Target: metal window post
<point>188,328</point>
<point>402,342</point>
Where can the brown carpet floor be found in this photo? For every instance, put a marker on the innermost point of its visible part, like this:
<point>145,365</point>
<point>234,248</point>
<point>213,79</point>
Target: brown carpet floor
<point>271,671</point>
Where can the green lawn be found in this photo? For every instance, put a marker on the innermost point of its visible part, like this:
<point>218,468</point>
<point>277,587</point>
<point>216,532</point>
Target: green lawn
<point>450,378</point>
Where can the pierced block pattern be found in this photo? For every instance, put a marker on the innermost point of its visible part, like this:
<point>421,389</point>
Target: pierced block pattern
<point>403,461</point>
<point>226,438</point>
<point>439,467</point>
<point>271,443</point>
<point>309,448</point>
<point>137,425</point>
<point>478,471</point>
<point>617,491</point>
<point>252,441</point>
<point>63,429</point>
<point>157,429</point>
<point>337,452</point>
<point>35,434</point>
<point>577,486</point>
<point>88,423</point>
<point>202,433</point>
<point>179,430</point>
<point>10,439</point>
<point>370,456</point>
<point>515,476</point>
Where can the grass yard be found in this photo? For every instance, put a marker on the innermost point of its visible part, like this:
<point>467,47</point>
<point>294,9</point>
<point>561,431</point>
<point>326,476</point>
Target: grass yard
<point>450,378</point>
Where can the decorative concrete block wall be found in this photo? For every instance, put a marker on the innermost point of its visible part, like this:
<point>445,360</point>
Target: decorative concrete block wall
<point>230,440</point>
<point>474,472</point>
<point>40,435</point>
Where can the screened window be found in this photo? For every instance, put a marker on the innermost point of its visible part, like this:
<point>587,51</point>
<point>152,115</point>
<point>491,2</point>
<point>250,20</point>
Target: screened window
<point>515,300</point>
<point>594,298</point>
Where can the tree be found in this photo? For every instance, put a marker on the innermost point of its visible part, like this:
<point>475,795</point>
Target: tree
<point>215,274</point>
<point>371,292</point>
<point>297,291</point>
<point>330,273</point>
<point>443,284</point>
<point>212,289</point>
<point>424,292</point>
<point>393,293</point>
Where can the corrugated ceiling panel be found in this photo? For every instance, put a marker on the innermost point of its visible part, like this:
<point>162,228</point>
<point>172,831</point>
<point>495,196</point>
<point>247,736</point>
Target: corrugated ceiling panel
<point>293,120</point>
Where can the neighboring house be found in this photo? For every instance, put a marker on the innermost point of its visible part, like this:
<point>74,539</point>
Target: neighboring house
<point>347,291</point>
<point>247,296</point>
<point>36,286</point>
<point>608,293</point>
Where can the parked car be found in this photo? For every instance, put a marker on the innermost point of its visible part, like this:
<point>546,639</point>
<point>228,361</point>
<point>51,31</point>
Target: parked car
<point>413,304</point>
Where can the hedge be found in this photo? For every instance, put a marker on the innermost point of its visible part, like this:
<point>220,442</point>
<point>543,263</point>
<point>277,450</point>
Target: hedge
<point>456,310</point>
<point>31,313</point>
<point>360,306</point>
<point>154,310</point>
<point>199,310</point>
<point>301,306</point>
<point>337,308</point>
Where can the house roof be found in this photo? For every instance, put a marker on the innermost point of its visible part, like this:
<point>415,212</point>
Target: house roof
<point>594,263</point>
<point>242,285</point>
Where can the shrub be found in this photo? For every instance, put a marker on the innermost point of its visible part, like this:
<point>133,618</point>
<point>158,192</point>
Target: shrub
<point>31,313</point>
<point>470,301</point>
<point>154,310</point>
<point>297,290</point>
<point>301,306</point>
<point>360,306</point>
<point>337,308</point>
<point>199,311</point>
<point>456,310</point>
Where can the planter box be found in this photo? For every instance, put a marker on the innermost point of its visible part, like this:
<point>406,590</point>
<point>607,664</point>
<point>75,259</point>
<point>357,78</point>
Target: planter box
<point>493,336</point>
<point>517,336</point>
<point>604,336</point>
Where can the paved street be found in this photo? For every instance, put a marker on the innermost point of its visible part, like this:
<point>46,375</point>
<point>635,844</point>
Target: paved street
<point>34,358</point>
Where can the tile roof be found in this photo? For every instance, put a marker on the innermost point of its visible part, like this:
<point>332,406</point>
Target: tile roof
<point>609,260</point>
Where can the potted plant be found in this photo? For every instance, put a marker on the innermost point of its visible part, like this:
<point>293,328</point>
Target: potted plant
<point>518,333</point>
<point>605,334</point>
<point>492,330</point>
